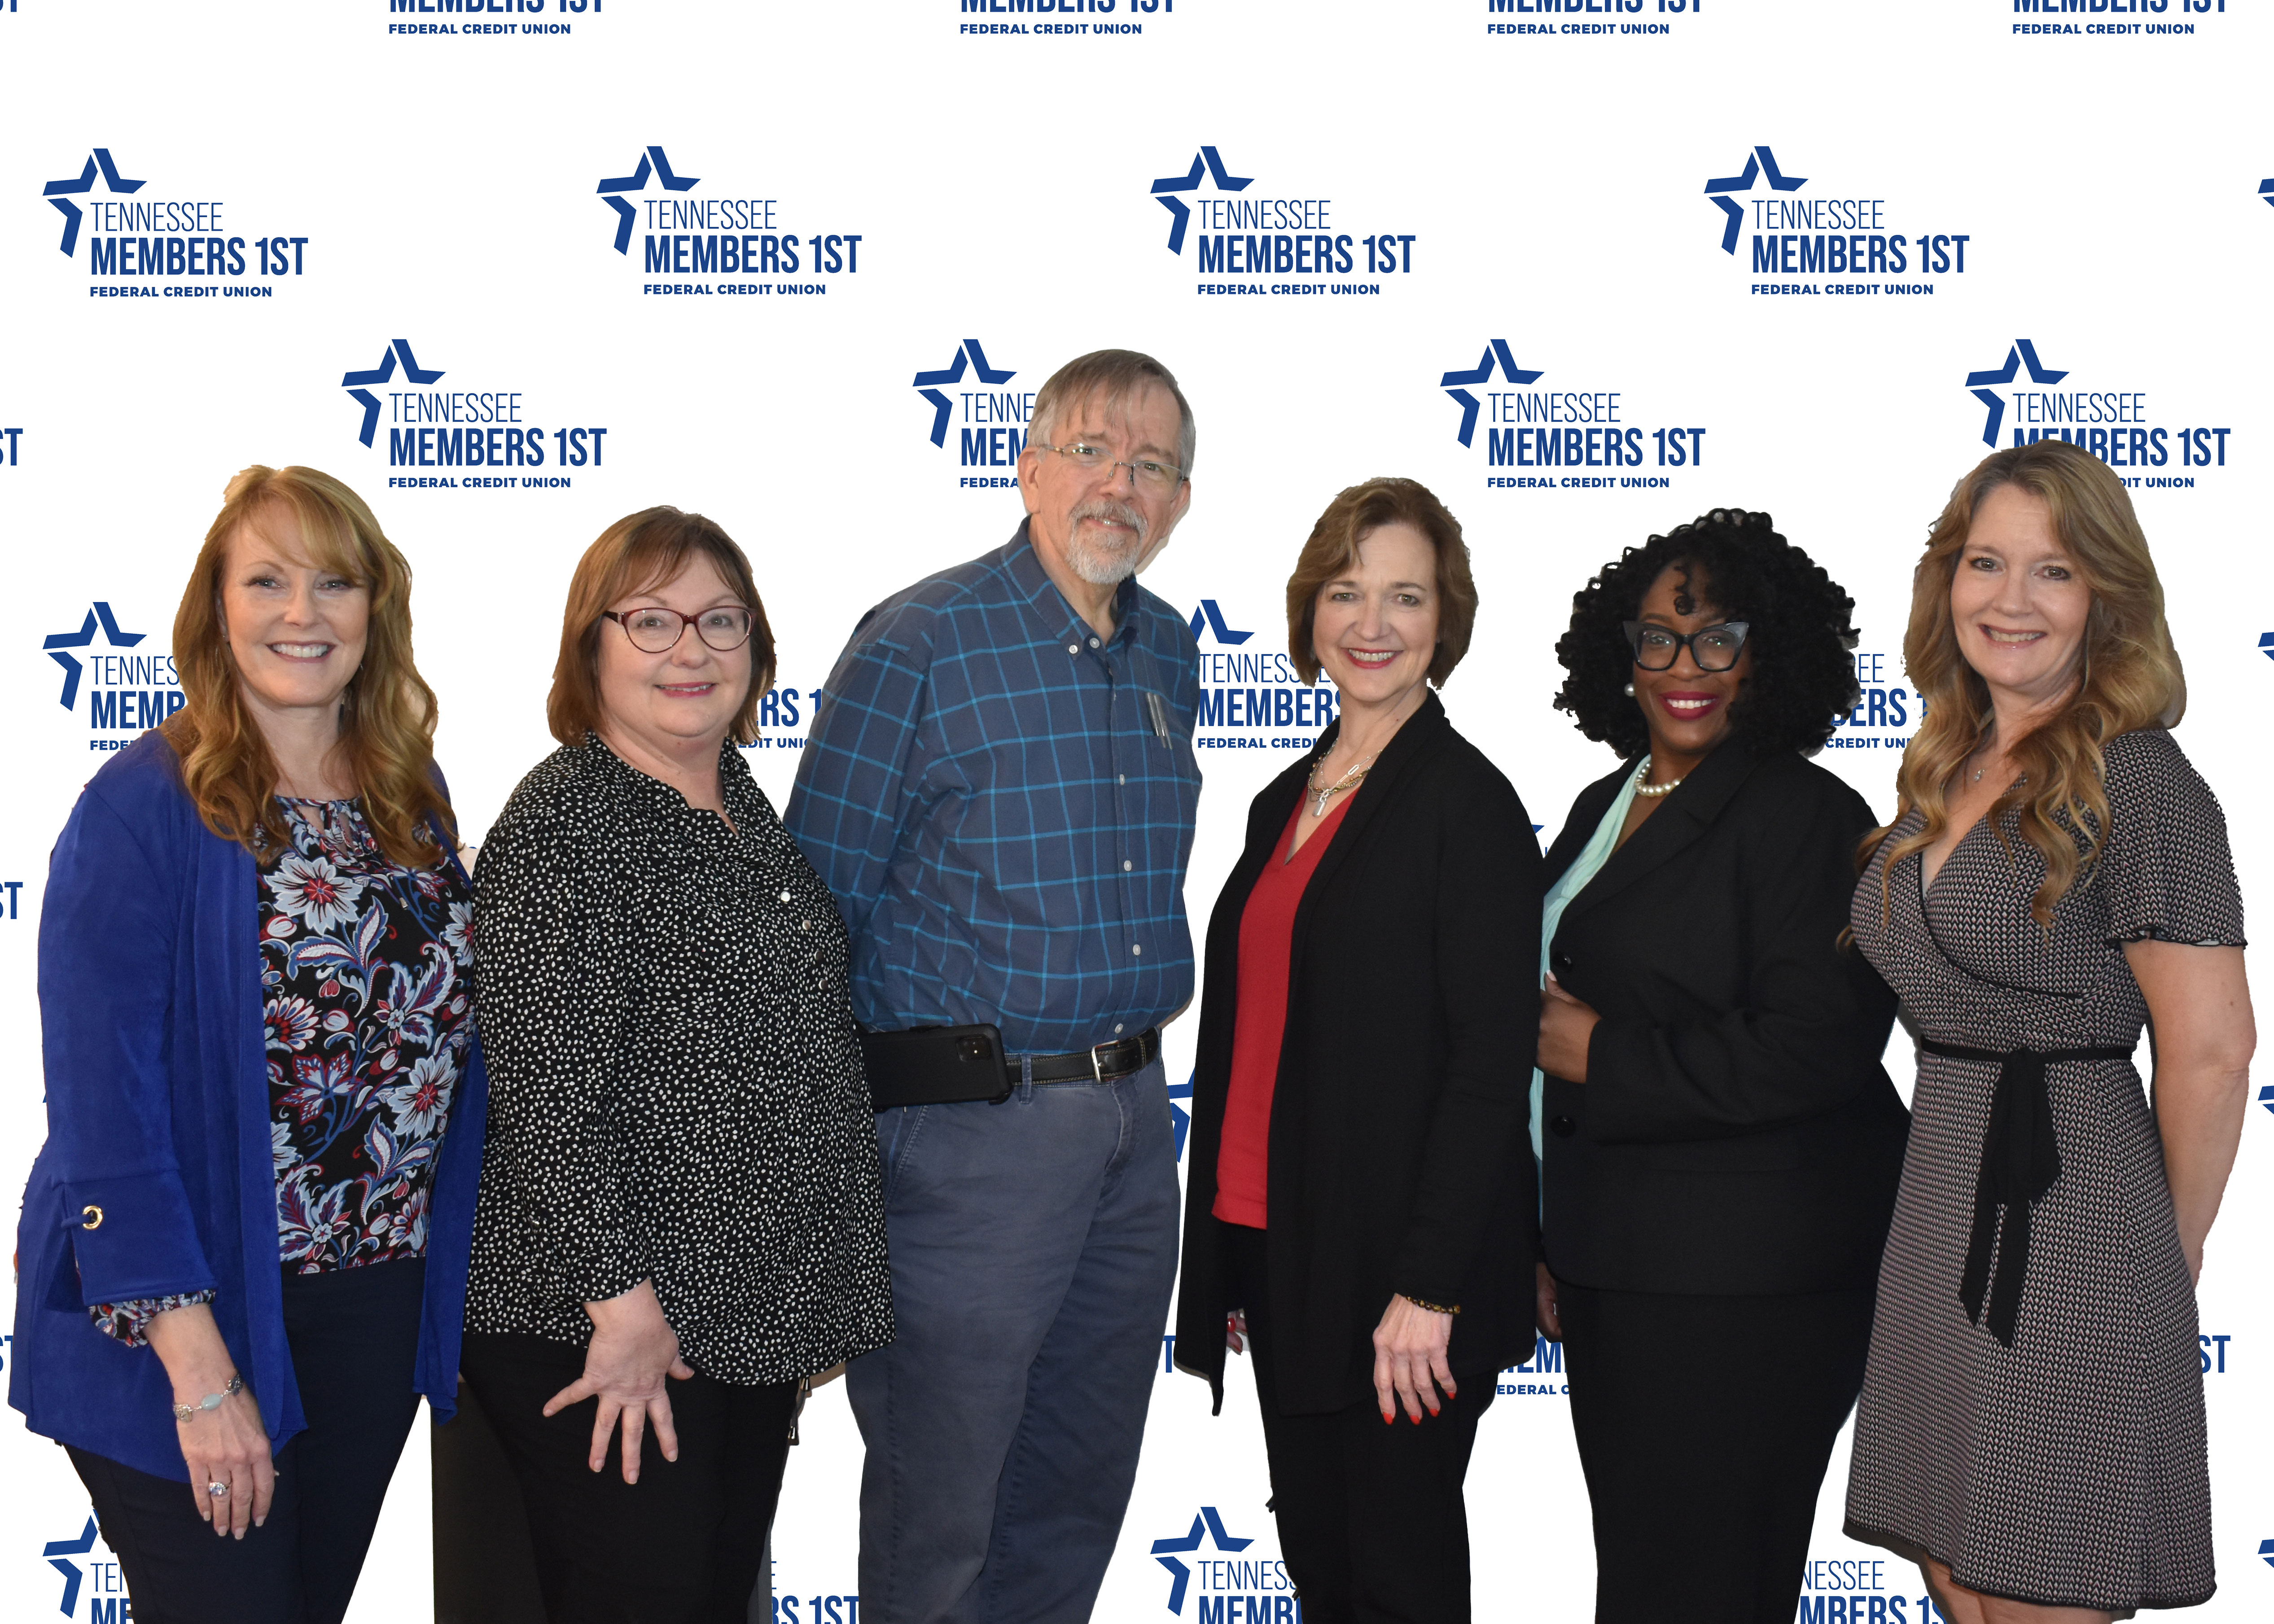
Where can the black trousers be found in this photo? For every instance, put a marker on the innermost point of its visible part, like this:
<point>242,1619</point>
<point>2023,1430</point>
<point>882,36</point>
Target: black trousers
<point>685,1544</point>
<point>1704,1426</point>
<point>1373,1525</point>
<point>354,1338</point>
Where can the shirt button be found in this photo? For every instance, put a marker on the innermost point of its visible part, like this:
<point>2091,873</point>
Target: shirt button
<point>785,896</point>
<point>1126,865</point>
<point>1135,948</point>
<point>1124,777</point>
<point>1562,1127</point>
<point>1074,648</point>
<point>1093,642</point>
<point>1116,1026</point>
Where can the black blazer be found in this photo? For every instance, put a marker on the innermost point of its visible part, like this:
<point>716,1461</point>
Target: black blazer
<point>1396,1156</point>
<point>1737,1132</point>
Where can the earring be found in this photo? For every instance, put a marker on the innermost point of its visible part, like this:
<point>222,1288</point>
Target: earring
<point>1629,690</point>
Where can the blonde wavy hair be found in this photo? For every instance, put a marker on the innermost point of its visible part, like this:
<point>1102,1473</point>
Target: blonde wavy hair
<point>2129,678</point>
<point>386,715</point>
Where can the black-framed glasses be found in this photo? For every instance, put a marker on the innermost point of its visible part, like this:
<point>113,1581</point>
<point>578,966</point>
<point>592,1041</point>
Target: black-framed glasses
<point>656,630</point>
<point>1714,648</point>
<point>1158,479</point>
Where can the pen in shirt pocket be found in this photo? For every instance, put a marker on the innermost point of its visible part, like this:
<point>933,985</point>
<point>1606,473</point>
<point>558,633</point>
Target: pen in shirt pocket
<point>1160,717</point>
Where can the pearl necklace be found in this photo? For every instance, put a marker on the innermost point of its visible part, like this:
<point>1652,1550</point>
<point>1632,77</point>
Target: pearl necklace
<point>1354,777</point>
<point>1653,791</point>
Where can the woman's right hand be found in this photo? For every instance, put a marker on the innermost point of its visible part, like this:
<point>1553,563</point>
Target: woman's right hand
<point>633,1348</point>
<point>228,1444</point>
<point>1546,1308</point>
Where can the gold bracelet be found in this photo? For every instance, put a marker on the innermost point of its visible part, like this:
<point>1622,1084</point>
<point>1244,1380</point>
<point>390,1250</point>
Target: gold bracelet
<point>1431,1307</point>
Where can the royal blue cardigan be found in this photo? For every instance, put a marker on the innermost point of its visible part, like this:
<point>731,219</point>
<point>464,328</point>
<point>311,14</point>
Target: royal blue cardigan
<point>157,1176</point>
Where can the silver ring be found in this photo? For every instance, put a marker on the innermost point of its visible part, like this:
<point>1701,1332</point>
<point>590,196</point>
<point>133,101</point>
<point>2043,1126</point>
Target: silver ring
<point>217,1489</point>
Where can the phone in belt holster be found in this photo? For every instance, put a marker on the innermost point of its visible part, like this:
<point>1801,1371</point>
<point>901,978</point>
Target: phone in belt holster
<point>935,1065</point>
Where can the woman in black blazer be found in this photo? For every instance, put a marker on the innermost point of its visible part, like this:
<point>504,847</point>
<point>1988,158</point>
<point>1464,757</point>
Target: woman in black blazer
<point>1360,1208</point>
<point>1719,1143</point>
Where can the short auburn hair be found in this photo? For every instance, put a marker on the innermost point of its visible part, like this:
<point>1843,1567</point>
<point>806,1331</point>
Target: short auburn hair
<point>387,714</point>
<point>1333,548</point>
<point>634,554</point>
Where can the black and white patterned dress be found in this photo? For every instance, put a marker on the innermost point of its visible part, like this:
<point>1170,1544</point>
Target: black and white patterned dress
<point>676,1092</point>
<point>2067,1469</point>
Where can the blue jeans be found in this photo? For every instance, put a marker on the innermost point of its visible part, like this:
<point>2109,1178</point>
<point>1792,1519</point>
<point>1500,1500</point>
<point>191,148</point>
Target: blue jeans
<point>1034,1249</point>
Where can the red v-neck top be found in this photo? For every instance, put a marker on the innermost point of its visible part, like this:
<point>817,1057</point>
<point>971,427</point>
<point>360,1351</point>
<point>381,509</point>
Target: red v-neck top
<point>1266,933</point>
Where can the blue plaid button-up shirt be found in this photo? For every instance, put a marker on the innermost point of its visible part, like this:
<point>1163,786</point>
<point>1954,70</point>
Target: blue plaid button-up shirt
<point>1002,802</point>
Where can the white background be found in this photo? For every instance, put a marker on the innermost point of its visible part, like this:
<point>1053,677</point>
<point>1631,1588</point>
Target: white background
<point>1000,185</point>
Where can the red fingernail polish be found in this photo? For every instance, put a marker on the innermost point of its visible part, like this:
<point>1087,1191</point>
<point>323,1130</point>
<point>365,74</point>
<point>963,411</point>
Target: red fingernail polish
<point>1417,1420</point>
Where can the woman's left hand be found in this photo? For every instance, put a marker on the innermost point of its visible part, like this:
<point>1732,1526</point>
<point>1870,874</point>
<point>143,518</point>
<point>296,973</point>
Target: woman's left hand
<point>1409,1351</point>
<point>1565,1026</point>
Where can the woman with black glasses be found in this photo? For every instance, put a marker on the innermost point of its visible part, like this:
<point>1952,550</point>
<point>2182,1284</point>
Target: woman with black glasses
<point>1719,1144</point>
<point>681,1216</point>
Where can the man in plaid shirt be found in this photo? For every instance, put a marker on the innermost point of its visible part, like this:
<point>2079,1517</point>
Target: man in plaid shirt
<point>1000,789</point>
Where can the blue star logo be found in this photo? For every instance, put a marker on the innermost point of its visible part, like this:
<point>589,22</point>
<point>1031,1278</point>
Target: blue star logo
<point>2266,191</point>
<point>1181,1118</point>
<point>83,637</point>
<point>2266,1551</point>
<point>969,354</point>
<point>1210,616</point>
<point>1182,1575</point>
<point>1206,159</point>
<point>1759,162</point>
<point>59,192</point>
<point>1519,376</point>
<point>382,373</point>
<point>651,160</point>
<point>58,1549</point>
<point>2022,354</point>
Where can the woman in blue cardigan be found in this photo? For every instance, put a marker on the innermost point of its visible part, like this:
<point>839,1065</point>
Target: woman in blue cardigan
<point>242,1251</point>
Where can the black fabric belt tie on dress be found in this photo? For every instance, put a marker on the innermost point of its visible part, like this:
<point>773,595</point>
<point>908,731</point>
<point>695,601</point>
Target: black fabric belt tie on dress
<point>2021,1161</point>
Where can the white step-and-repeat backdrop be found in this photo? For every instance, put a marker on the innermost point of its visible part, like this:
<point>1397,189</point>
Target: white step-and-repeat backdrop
<point>513,268</point>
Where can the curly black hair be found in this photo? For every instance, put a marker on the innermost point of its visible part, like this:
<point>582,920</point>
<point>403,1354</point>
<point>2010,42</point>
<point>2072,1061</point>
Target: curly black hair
<point>1802,679</point>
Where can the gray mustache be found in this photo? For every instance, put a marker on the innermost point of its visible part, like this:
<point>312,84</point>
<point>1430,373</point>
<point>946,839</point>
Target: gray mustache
<point>1117,513</point>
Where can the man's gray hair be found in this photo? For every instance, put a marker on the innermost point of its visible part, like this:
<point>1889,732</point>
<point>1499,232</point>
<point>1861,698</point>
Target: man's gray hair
<point>1116,374</point>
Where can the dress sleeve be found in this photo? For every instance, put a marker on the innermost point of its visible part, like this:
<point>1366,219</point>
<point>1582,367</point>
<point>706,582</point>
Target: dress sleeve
<point>550,1008</point>
<point>2167,870</point>
<point>129,1321</point>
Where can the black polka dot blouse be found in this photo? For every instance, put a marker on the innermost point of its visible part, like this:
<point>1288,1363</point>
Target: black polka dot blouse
<point>675,1087</point>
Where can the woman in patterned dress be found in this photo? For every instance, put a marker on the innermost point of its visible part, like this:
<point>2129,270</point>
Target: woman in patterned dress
<point>681,1216</point>
<point>2031,1426</point>
<point>244,1243</point>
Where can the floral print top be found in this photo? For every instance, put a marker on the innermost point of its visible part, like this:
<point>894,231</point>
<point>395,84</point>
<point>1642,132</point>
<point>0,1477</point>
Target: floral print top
<point>366,973</point>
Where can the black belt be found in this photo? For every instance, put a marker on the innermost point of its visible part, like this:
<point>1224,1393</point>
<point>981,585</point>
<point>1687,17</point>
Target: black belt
<point>953,1065</point>
<point>1100,1065</point>
<point>2020,1162</point>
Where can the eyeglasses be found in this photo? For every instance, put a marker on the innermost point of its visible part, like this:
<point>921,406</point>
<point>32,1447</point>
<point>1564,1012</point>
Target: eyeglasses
<point>1154,478</point>
<point>657,631</point>
<point>1714,648</point>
